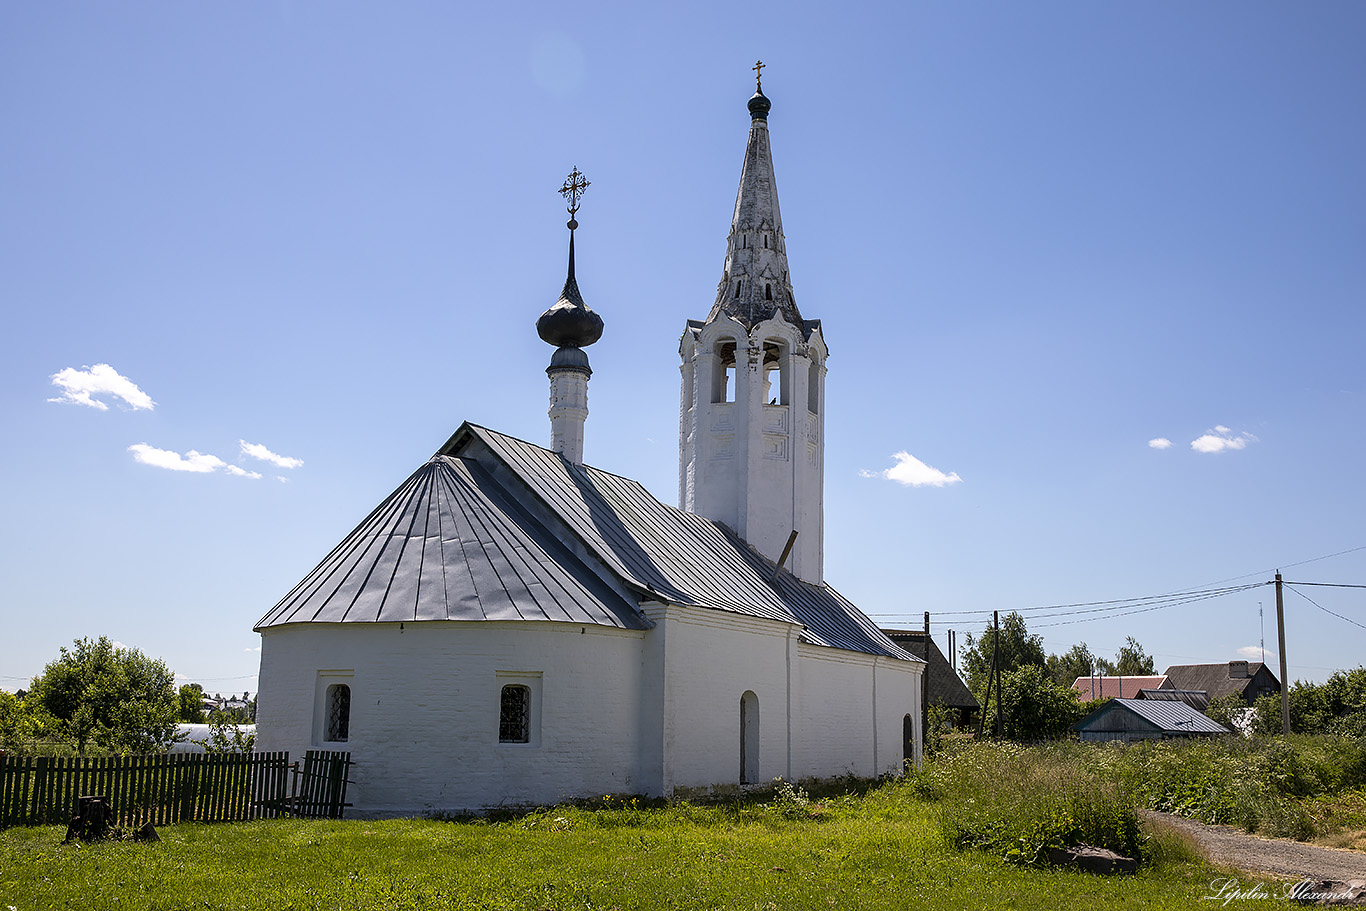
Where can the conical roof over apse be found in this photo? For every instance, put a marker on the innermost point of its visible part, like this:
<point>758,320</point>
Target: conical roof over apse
<point>449,544</point>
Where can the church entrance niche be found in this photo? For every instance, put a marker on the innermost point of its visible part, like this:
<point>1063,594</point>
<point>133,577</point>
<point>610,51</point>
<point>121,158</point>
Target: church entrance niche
<point>776,368</point>
<point>723,376</point>
<point>749,738</point>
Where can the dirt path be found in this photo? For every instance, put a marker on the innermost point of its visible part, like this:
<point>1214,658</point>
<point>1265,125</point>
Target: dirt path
<point>1270,856</point>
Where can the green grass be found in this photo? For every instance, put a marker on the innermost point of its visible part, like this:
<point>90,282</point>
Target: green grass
<point>882,849</point>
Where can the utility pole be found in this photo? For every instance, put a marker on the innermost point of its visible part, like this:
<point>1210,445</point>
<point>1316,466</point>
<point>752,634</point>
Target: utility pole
<point>1280,641</point>
<point>996,666</point>
<point>925,690</point>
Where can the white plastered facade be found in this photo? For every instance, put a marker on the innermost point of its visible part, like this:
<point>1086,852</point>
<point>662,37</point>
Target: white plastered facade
<point>653,712</point>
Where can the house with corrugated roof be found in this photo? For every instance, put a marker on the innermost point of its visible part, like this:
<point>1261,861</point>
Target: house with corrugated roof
<point>1249,680</point>
<point>513,626</point>
<point>1129,720</point>
<point>1118,687</point>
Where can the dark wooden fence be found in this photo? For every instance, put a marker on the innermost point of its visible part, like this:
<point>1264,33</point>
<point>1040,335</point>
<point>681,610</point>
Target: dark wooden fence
<point>175,787</point>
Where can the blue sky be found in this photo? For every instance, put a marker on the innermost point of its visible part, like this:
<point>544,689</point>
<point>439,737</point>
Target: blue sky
<point>1039,236</point>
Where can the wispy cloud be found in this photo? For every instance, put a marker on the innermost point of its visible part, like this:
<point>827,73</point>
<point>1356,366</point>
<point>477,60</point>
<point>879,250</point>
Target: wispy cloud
<point>257,451</point>
<point>1254,653</point>
<point>1221,439</point>
<point>80,387</point>
<point>174,461</point>
<point>1160,443</point>
<point>912,472</point>
<point>197,462</point>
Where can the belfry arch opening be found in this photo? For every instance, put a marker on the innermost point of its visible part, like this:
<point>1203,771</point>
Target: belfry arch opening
<point>723,375</point>
<point>777,373</point>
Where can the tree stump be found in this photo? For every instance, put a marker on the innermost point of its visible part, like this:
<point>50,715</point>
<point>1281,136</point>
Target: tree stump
<point>91,822</point>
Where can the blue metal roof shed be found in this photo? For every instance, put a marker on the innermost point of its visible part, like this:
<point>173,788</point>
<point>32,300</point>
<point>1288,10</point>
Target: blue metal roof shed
<point>1146,719</point>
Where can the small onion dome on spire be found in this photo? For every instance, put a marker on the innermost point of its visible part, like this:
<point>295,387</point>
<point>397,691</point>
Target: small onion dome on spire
<point>759,106</point>
<point>570,323</point>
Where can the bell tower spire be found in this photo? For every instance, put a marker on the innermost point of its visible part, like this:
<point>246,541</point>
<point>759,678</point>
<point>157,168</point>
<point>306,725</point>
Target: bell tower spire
<point>751,425</point>
<point>571,327</point>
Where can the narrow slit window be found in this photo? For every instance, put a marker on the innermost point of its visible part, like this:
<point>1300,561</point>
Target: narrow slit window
<point>514,714</point>
<point>765,241</point>
<point>338,713</point>
<point>768,291</point>
<point>737,289</point>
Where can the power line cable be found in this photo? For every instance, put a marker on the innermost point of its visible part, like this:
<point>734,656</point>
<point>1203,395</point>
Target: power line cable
<point>1322,608</point>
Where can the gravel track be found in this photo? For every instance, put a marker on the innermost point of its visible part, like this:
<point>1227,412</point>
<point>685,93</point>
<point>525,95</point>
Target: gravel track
<point>1268,856</point>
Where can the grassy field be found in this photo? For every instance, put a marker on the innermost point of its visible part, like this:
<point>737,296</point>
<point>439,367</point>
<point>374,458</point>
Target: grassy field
<point>886,849</point>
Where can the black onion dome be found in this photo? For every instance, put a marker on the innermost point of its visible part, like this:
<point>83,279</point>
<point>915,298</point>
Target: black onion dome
<point>759,106</point>
<point>569,323</point>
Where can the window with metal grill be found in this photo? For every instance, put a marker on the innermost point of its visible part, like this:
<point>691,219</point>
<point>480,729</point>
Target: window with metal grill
<point>338,712</point>
<point>514,714</point>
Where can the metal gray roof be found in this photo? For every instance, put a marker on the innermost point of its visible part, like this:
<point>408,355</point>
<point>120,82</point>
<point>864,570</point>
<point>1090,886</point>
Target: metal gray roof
<point>1169,717</point>
<point>449,544</point>
<point>675,556</point>
<point>495,528</point>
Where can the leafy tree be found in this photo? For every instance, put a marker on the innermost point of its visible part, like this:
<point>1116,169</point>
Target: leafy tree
<point>17,723</point>
<point>1017,649</point>
<point>1132,661</point>
<point>191,709</point>
<point>1077,662</point>
<point>1035,706</point>
<point>1228,708</point>
<point>227,737</point>
<point>116,698</point>
<point>1336,706</point>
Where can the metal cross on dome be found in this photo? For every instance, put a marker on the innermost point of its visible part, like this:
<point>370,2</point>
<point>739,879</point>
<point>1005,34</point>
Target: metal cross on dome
<point>573,188</point>
<point>759,75</point>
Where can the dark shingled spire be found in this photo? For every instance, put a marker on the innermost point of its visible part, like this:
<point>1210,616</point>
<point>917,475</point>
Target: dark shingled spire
<point>754,284</point>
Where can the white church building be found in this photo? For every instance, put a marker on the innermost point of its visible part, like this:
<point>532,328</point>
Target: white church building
<point>511,626</point>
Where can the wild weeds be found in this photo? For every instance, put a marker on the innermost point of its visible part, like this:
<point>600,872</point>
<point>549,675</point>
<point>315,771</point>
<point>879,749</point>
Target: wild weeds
<point>1020,801</point>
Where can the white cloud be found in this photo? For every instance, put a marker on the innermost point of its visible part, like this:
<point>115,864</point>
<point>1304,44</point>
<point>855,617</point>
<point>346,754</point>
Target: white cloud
<point>912,472</point>
<point>1221,439</point>
<point>282,480</point>
<point>1160,443</point>
<point>256,649</point>
<point>79,387</point>
<point>257,451</point>
<point>1254,653</point>
<point>174,461</point>
<point>243,473</point>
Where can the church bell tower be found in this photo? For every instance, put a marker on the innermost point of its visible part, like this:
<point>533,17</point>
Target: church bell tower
<point>752,416</point>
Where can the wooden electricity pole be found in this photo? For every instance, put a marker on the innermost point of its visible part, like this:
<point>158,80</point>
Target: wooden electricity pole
<point>996,666</point>
<point>1280,642</point>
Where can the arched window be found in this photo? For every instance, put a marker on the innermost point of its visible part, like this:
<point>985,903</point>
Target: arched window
<point>907,739</point>
<point>749,738</point>
<point>777,382</point>
<point>514,714</point>
<point>338,712</point>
